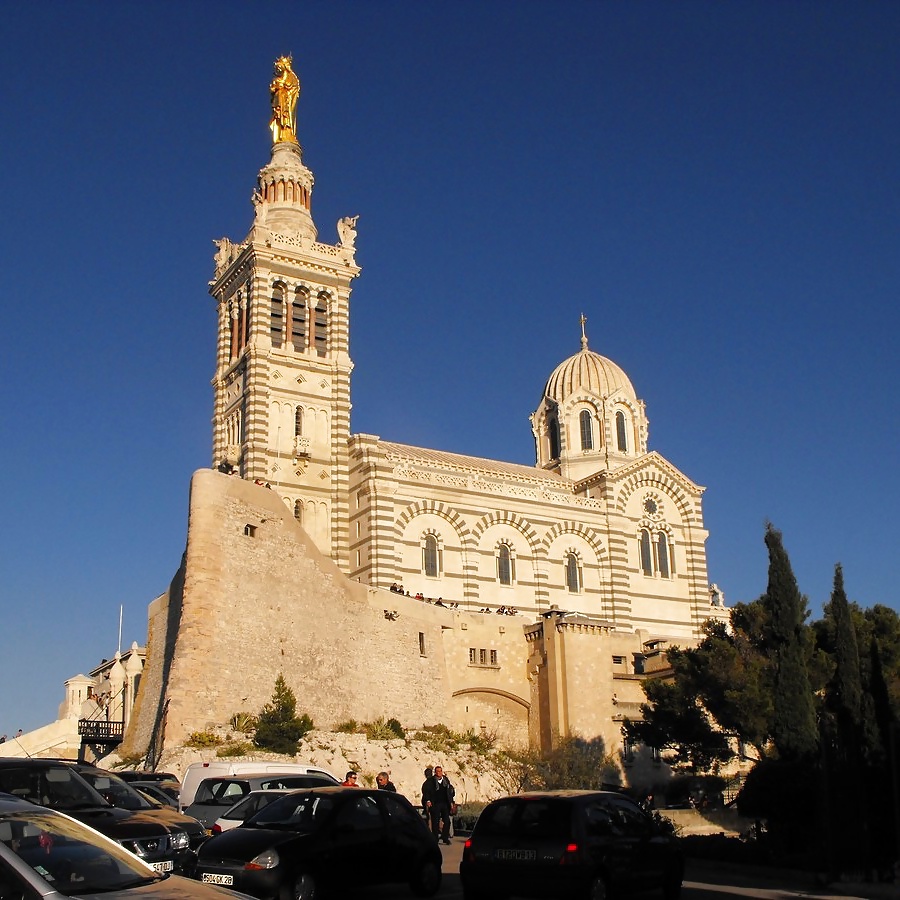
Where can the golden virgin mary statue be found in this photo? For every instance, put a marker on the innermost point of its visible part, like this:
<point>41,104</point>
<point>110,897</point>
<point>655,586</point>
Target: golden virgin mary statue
<point>284,92</point>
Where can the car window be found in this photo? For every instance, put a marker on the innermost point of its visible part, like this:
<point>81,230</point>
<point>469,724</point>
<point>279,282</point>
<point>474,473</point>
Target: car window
<point>299,812</point>
<point>295,781</point>
<point>359,814</point>
<point>598,819</point>
<point>629,816</point>
<point>58,787</point>
<point>114,790</point>
<point>543,817</point>
<point>222,791</point>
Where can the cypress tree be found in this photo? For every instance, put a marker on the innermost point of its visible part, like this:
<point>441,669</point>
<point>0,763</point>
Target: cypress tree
<point>844,692</point>
<point>794,722</point>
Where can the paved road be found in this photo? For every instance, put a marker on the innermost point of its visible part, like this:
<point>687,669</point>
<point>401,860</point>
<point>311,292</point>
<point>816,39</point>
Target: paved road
<point>702,882</point>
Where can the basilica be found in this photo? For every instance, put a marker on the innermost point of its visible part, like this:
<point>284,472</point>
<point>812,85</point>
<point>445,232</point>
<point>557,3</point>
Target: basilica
<point>527,600</point>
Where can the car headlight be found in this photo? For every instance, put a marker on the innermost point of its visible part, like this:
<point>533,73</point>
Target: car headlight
<point>268,859</point>
<point>180,840</point>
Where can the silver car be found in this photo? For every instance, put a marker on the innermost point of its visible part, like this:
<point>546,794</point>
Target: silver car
<point>47,854</point>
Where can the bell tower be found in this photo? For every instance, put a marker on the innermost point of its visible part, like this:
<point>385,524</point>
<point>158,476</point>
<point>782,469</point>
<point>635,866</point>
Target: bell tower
<point>282,380</point>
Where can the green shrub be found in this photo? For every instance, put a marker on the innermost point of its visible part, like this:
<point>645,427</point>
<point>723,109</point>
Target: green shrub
<point>203,739</point>
<point>351,726</point>
<point>466,815</point>
<point>243,722</point>
<point>396,727</point>
<point>235,748</point>
<point>379,730</point>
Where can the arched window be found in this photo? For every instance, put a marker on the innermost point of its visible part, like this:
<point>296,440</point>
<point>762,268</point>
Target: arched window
<point>573,574</point>
<point>298,511</point>
<point>276,328</point>
<point>621,437</point>
<point>298,422</point>
<point>662,554</point>
<point>298,321</point>
<point>646,552</point>
<point>506,565</point>
<point>554,439</point>
<point>431,557</point>
<point>321,327</point>
<point>587,430</point>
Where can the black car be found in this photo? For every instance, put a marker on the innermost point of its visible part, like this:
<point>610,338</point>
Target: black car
<point>321,839</point>
<point>584,844</point>
<point>48,855</point>
<point>120,793</point>
<point>56,784</point>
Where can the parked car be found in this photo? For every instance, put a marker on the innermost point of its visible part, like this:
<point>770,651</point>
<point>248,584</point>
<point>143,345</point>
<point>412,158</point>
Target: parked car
<point>197,772</point>
<point>215,795</point>
<point>132,775</point>
<point>584,844</point>
<point>47,854</point>
<point>246,808</point>
<point>56,784</point>
<point>157,791</point>
<point>324,839</point>
<point>122,794</point>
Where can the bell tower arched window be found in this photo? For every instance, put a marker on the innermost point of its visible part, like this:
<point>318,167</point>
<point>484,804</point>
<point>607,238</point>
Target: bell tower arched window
<point>621,437</point>
<point>298,511</point>
<point>276,327</point>
<point>321,327</point>
<point>298,422</point>
<point>587,430</point>
<point>298,321</point>
<point>553,430</point>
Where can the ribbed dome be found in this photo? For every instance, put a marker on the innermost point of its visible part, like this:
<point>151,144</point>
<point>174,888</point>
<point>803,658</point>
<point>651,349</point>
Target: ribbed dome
<point>587,371</point>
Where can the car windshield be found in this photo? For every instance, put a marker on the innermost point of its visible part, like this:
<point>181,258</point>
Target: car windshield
<point>296,811</point>
<point>70,857</point>
<point>114,790</point>
<point>527,818</point>
<point>58,787</point>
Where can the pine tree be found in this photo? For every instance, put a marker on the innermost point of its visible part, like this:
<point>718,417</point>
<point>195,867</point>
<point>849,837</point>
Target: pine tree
<point>794,727</point>
<point>278,728</point>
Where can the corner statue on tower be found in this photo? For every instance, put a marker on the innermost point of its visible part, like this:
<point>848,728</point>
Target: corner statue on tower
<point>284,92</point>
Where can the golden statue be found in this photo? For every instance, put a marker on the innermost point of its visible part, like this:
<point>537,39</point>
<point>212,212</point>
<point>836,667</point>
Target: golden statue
<point>284,91</point>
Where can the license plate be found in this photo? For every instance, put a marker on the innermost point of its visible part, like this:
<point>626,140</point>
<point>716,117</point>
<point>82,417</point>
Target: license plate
<point>516,854</point>
<point>211,878</point>
<point>165,866</point>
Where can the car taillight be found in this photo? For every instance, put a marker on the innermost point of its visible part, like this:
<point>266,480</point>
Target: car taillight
<point>468,855</point>
<point>570,855</point>
<point>216,829</point>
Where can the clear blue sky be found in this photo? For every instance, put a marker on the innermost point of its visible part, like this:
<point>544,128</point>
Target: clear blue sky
<point>713,184</point>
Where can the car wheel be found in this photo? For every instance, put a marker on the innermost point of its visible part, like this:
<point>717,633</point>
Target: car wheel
<point>304,888</point>
<point>427,879</point>
<point>599,889</point>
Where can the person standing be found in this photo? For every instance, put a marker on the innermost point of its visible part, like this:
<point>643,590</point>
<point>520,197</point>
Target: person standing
<point>438,799</point>
<point>384,783</point>
<point>350,779</point>
<point>426,784</point>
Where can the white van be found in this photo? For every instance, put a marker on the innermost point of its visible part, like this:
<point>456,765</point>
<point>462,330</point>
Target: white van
<point>197,772</point>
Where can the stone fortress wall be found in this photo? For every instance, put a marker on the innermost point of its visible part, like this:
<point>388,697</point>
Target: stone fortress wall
<point>255,598</point>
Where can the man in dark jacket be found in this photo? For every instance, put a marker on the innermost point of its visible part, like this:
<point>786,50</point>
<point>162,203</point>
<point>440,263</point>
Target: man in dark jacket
<point>437,796</point>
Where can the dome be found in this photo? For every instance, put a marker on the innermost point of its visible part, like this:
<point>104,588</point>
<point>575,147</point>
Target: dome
<point>587,372</point>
